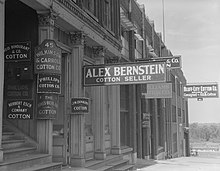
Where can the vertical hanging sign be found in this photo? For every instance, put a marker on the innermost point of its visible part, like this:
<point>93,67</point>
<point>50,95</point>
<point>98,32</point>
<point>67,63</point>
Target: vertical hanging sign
<point>48,69</point>
<point>48,58</point>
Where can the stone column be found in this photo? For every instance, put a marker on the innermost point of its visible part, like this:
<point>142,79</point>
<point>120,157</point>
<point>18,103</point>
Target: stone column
<point>100,109</point>
<point>45,126</point>
<point>115,119</point>
<point>2,25</point>
<point>155,128</point>
<point>77,122</point>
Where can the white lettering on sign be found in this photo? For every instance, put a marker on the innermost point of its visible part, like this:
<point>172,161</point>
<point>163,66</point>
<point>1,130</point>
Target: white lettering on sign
<point>126,70</point>
<point>201,91</point>
<point>125,73</point>
<point>19,116</point>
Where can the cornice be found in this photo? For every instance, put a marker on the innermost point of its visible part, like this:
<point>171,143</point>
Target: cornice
<point>88,20</point>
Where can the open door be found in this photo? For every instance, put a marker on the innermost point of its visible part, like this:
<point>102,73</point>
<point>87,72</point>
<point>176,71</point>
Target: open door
<point>61,124</point>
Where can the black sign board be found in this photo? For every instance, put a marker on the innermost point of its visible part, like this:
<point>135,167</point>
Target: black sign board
<point>19,51</point>
<point>20,109</point>
<point>47,106</point>
<point>48,83</point>
<point>80,105</point>
<point>203,90</point>
<point>48,58</point>
<point>127,73</point>
<point>172,62</point>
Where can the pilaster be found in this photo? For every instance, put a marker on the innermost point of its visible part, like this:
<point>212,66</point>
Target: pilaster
<point>154,128</point>
<point>100,110</point>
<point>46,24</point>
<point>77,122</point>
<point>45,126</point>
<point>115,119</point>
<point>2,19</point>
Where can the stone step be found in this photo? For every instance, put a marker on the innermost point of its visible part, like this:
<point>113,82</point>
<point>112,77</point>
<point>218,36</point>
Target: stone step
<point>118,164</point>
<point>96,164</point>
<point>105,168</point>
<point>45,167</point>
<point>14,152</point>
<point>127,167</point>
<point>12,143</point>
<point>11,136</point>
<point>25,161</point>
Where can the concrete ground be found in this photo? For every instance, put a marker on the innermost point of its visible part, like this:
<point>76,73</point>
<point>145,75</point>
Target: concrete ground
<point>205,161</point>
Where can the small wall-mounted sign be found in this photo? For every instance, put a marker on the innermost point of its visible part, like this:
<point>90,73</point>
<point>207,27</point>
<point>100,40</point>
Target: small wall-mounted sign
<point>49,83</point>
<point>80,105</point>
<point>48,58</point>
<point>20,109</point>
<point>19,51</point>
<point>47,106</point>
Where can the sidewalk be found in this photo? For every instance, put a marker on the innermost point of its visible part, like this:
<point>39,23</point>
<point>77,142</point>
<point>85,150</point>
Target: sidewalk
<point>141,163</point>
<point>185,164</point>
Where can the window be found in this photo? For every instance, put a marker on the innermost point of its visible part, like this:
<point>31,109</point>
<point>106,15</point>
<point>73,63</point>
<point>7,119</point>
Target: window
<point>107,14</point>
<point>173,82</point>
<point>175,142</point>
<point>124,115</point>
<point>178,88</point>
<point>173,113</point>
<point>89,5</point>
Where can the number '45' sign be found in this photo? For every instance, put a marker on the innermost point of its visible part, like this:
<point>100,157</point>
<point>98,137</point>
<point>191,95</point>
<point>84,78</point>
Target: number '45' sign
<point>48,58</point>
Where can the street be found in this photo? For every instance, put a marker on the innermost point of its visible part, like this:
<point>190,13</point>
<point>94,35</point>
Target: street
<point>203,162</point>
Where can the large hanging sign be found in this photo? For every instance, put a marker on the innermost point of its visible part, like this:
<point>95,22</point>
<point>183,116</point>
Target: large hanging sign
<point>49,83</point>
<point>47,106</point>
<point>48,58</point>
<point>19,51</point>
<point>127,73</point>
<point>20,109</point>
<point>80,105</point>
<point>172,62</point>
<point>209,90</point>
<point>158,90</point>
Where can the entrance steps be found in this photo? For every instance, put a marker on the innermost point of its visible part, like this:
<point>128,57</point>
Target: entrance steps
<point>111,163</point>
<point>19,154</point>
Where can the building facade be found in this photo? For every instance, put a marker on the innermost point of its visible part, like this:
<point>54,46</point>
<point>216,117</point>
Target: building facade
<point>47,44</point>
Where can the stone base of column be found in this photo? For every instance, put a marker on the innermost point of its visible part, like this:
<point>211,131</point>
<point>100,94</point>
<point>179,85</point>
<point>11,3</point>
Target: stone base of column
<point>100,155</point>
<point>1,155</point>
<point>77,161</point>
<point>116,150</point>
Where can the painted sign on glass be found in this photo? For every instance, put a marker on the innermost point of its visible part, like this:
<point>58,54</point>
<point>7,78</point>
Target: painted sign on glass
<point>158,90</point>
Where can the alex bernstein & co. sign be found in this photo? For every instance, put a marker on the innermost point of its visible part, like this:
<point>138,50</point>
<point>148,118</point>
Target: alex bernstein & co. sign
<point>127,73</point>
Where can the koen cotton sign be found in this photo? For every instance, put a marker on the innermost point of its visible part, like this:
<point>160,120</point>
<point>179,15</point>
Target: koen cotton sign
<point>128,73</point>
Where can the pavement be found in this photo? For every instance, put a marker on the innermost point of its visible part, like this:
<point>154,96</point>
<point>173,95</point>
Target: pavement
<point>205,161</point>
<point>202,162</point>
